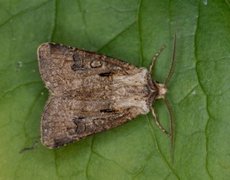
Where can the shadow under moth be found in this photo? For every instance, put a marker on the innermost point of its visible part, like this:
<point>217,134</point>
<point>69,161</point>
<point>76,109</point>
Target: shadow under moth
<point>90,93</point>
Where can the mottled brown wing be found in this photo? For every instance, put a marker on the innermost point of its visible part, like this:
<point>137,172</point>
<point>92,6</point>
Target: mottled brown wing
<point>66,120</point>
<point>89,93</point>
<point>66,68</point>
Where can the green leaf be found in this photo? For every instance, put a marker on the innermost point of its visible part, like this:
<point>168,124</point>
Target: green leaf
<point>131,30</point>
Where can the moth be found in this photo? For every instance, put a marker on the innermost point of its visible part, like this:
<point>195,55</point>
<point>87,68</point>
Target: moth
<point>91,93</point>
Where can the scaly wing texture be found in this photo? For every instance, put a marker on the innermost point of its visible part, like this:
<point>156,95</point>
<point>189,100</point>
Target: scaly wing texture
<point>65,68</point>
<point>66,120</point>
<point>89,93</point>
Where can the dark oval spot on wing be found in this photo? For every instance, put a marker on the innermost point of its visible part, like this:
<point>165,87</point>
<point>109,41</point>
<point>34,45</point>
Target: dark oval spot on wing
<point>78,120</point>
<point>106,74</point>
<point>80,124</point>
<point>74,67</point>
<point>76,57</point>
<point>107,110</point>
<point>78,62</point>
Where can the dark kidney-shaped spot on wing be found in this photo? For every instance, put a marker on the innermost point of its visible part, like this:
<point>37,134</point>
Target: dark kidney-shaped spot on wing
<point>106,74</point>
<point>107,110</point>
<point>78,62</point>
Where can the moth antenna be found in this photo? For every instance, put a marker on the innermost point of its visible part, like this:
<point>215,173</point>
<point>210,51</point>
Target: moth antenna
<point>172,62</point>
<point>172,126</point>
<point>154,58</point>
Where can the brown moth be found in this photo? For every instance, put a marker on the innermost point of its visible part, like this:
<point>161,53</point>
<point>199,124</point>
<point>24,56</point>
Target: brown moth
<point>90,93</point>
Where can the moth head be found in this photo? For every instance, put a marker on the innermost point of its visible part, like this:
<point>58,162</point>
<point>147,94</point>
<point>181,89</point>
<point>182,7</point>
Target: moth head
<point>162,90</point>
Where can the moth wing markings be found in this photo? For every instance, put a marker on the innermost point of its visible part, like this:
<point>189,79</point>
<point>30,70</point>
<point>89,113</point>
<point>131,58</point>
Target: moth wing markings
<point>56,66</point>
<point>66,120</point>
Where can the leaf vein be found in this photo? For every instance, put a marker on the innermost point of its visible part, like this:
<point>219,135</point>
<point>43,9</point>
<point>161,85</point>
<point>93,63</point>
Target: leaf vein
<point>89,159</point>
<point>203,90</point>
<point>114,162</point>
<point>113,38</point>
<point>159,150</point>
<point>27,10</point>
<point>141,58</point>
<point>17,87</point>
<point>54,21</point>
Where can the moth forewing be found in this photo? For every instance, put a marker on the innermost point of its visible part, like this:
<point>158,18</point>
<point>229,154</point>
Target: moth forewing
<point>89,93</point>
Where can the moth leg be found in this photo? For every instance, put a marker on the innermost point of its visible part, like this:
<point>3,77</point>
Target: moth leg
<point>154,59</point>
<point>159,125</point>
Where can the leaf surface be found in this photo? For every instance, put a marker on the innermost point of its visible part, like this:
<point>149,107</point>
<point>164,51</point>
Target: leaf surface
<point>131,30</point>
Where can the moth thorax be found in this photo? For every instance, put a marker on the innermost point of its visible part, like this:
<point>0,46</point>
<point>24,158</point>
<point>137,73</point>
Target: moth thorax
<point>162,90</point>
